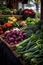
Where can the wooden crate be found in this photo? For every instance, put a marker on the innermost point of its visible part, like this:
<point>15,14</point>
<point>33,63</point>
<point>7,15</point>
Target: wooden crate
<point>19,18</point>
<point>12,47</point>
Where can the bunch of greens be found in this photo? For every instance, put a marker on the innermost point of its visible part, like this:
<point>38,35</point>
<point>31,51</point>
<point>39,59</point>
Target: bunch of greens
<point>3,20</point>
<point>30,21</point>
<point>31,49</point>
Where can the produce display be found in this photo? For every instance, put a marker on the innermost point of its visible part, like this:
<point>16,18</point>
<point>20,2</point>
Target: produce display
<point>7,23</point>
<point>31,49</point>
<point>14,36</point>
<point>7,11</point>
<point>26,35</point>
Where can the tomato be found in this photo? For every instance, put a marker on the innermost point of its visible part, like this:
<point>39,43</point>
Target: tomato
<point>28,11</point>
<point>8,24</point>
<point>1,32</point>
<point>0,28</point>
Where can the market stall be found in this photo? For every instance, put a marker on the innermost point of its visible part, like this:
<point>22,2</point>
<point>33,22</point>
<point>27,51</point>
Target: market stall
<point>21,35</point>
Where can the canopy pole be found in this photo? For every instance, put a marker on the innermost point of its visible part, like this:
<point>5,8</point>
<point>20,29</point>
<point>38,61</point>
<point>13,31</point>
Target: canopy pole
<point>41,9</point>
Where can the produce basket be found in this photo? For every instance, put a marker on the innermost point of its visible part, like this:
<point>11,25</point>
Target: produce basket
<point>13,37</point>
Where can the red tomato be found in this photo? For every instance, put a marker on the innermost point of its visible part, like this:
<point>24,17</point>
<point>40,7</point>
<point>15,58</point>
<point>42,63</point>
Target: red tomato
<point>8,25</point>
<point>0,29</point>
<point>1,32</point>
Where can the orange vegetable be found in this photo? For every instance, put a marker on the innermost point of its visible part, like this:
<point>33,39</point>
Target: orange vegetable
<point>8,24</point>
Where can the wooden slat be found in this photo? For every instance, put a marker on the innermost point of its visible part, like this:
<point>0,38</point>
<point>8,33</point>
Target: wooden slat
<point>11,15</point>
<point>10,46</point>
<point>19,17</point>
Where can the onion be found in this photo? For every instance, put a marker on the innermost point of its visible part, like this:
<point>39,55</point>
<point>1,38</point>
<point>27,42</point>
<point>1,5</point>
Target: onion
<point>14,36</point>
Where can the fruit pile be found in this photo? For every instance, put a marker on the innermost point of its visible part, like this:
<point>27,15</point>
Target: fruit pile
<point>8,23</point>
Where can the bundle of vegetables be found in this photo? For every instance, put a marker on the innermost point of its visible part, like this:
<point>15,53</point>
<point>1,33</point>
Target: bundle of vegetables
<point>30,21</point>
<point>30,29</point>
<point>31,49</point>
<point>12,18</point>
<point>16,24</point>
<point>6,11</point>
<point>3,20</point>
<point>28,13</point>
<point>2,7</point>
<point>14,36</point>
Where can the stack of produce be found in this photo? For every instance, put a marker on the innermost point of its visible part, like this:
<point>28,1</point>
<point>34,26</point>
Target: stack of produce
<point>28,13</point>
<point>8,23</point>
<point>31,21</point>
<point>5,10</point>
<point>2,7</point>
<point>12,18</point>
<point>31,49</point>
<point>3,20</point>
<point>14,36</point>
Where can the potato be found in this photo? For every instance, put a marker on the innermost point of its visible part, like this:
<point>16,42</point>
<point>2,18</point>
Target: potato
<point>23,23</point>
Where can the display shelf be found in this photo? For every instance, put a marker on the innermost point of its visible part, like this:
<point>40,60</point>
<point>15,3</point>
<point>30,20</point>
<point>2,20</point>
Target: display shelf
<point>17,16</point>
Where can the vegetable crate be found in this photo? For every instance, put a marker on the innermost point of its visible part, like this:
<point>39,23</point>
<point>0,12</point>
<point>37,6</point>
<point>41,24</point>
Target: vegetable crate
<point>12,47</point>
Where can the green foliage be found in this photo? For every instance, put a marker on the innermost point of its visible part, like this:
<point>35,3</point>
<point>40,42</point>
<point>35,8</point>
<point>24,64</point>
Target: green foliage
<point>15,24</point>
<point>3,20</point>
<point>32,50</point>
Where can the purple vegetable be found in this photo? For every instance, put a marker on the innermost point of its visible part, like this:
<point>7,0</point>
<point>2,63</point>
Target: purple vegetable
<point>15,42</point>
<point>11,43</point>
<point>14,36</point>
